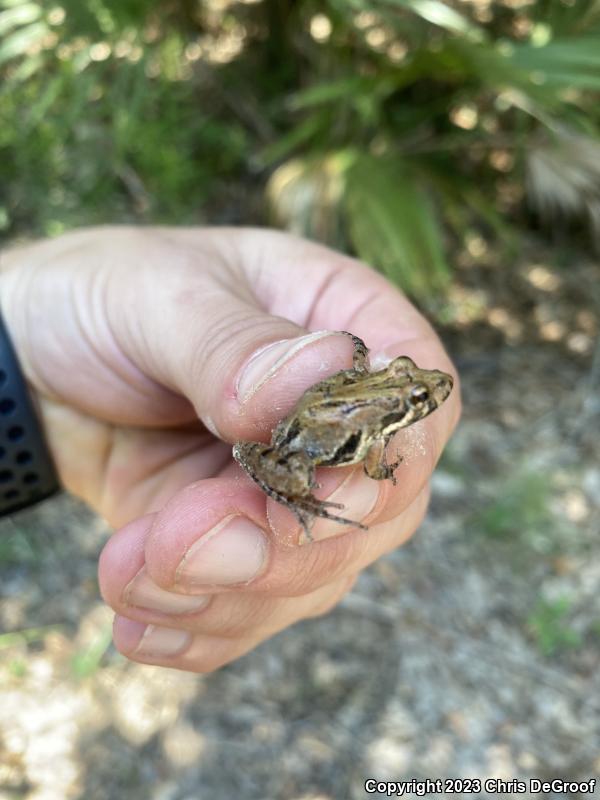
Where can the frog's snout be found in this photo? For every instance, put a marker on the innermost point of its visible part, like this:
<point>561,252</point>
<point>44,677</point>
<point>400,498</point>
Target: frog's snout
<point>443,386</point>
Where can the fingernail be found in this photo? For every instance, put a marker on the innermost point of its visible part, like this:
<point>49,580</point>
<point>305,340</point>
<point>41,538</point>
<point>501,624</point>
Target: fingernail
<point>157,641</point>
<point>265,363</point>
<point>358,494</point>
<point>142,592</point>
<point>234,551</point>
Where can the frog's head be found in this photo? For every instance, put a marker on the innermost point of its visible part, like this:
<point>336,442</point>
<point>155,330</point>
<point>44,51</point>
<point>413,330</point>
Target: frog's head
<point>429,390</point>
<point>425,389</point>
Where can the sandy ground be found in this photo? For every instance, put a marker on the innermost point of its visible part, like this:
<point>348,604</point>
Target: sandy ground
<point>471,652</point>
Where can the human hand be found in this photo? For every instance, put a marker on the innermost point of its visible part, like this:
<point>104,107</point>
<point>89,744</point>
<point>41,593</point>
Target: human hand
<point>146,350</point>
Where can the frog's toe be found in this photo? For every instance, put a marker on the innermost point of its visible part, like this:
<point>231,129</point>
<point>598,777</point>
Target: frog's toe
<point>329,504</point>
<point>306,520</point>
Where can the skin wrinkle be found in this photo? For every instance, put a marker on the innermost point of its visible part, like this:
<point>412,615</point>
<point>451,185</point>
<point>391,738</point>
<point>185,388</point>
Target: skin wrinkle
<point>180,409</point>
<point>133,377</point>
<point>180,455</point>
<point>228,261</point>
<point>83,297</point>
<point>138,345</point>
<point>97,301</point>
<point>259,275</point>
<point>345,273</point>
<point>360,309</point>
<point>214,267</point>
<point>262,286</point>
<point>319,296</point>
<point>59,421</point>
<point>31,311</point>
<point>24,327</point>
<point>96,335</point>
<point>317,317</point>
<point>104,469</point>
<point>257,323</point>
<point>319,601</point>
<point>232,278</point>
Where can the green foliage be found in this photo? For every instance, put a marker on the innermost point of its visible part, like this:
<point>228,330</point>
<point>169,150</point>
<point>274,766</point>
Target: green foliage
<point>379,193</point>
<point>25,636</point>
<point>549,625</point>
<point>385,126</point>
<point>98,124</point>
<point>87,661</point>
<point>17,667</point>
<point>17,548</point>
<point>521,508</point>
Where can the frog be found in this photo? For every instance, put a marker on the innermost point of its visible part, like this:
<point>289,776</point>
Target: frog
<point>347,418</point>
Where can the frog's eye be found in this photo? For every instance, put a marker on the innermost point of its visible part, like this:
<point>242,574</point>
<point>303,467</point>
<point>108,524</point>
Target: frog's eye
<point>418,396</point>
<point>402,365</point>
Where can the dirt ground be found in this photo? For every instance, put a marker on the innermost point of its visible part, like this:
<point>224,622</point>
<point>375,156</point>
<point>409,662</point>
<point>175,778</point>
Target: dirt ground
<point>473,651</point>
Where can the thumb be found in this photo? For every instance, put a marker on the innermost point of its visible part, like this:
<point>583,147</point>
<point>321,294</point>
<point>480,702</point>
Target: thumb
<point>150,327</point>
<point>200,329</point>
<point>248,372</point>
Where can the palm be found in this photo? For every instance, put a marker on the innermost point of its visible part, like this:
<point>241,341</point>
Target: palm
<point>130,471</point>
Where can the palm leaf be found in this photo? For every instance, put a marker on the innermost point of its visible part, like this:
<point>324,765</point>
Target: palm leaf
<point>18,43</point>
<point>392,224</point>
<point>432,12</point>
<point>570,63</point>
<point>19,15</point>
<point>344,89</point>
<point>441,15</point>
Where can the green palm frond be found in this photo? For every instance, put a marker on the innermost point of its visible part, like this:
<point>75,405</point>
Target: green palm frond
<point>569,63</point>
<point>392,224</point>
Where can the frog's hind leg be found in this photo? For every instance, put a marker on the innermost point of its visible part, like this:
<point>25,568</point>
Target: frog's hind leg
<point>311,507</point>
<point>306,508</point>
<point>306,520</point>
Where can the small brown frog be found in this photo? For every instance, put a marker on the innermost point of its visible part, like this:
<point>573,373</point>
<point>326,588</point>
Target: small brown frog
<point>344,419</point>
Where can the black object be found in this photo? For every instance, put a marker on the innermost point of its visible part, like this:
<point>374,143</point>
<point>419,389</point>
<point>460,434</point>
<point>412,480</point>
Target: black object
<point>27,474</point>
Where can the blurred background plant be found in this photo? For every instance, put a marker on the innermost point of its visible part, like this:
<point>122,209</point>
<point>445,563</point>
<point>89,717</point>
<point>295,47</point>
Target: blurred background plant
<point>393,128</point>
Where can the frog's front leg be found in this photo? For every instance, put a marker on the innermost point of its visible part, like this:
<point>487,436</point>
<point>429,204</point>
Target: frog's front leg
<point>376,465</point>
<point>360,357</point>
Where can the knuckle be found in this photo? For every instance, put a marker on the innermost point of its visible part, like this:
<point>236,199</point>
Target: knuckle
<point>233,620</point>
<point>326,561</point>
<point>328,603</point>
